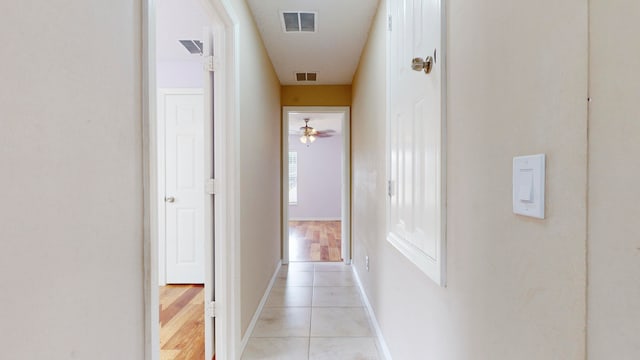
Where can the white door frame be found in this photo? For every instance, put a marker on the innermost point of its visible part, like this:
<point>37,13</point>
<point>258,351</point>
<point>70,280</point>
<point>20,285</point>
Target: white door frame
<point>346,175</point>
<point>226,106</point>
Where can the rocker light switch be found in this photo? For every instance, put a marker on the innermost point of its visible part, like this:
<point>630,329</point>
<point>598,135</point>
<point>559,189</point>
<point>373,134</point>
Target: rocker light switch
<point>528,185</point>
<point>525,190</point>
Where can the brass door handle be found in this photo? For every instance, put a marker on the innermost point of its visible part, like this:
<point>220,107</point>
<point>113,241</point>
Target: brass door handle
<point>418,64</point>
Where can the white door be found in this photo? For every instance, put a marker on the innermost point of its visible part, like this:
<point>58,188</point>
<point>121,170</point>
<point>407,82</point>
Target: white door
<point>416,129</point>
<point>184,187</point>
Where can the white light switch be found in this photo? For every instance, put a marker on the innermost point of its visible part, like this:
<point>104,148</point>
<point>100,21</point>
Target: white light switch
<point>525,189</point>
<point>528,185</point>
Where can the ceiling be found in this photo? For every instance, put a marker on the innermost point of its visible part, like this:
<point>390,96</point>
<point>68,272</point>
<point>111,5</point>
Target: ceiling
<point>333,51</point>
<point>318,121</point>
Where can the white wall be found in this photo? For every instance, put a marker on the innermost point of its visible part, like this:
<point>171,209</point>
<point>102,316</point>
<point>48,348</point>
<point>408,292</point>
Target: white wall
<point>179,20</point>
<point>319,179</point>
<point>179,74</point>
<point>614,170</point>
<point>70,154</point>
<point>260,140</point>
<point>517,76</point>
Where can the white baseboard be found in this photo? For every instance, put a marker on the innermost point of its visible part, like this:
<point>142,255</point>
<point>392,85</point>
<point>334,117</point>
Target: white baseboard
<point>382,345</point>
<point>256,315</point>
<point>315,219</point>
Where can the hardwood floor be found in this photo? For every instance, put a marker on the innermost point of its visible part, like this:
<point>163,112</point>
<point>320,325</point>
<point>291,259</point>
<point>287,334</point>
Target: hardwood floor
<point>315,241</point>
<point>181,322</point>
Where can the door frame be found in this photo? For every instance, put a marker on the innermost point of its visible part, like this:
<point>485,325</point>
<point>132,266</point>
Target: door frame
<point>161,180</point>
<point>346,176</point>
<point>224,23</point>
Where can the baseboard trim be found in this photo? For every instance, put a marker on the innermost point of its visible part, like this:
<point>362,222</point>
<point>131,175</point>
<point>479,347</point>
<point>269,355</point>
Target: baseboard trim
<point>315,219</point>
<point>256,315</point>
<point>382,345</point>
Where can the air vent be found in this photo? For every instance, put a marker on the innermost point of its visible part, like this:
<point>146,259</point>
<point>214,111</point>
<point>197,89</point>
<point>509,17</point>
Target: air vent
<point>306,76</point>
<point>192,46</point>
<point>299,21</point>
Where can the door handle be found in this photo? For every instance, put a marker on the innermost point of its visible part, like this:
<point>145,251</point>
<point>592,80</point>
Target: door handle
<point>170,199</point>
<point>419,64</point>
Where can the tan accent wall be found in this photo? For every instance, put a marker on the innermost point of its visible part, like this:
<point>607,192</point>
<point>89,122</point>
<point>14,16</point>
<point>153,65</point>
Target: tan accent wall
<point>71,224</point>
<point>614,173</point>
<point>316,95</point>
<point>517,85</point>
<point>260,139</point>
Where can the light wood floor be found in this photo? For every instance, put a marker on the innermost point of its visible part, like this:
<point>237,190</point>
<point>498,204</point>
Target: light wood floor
<point>315,241</point>
<point>181,322</point>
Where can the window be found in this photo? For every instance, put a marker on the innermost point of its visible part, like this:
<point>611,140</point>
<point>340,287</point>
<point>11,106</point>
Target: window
<point>293,177</point>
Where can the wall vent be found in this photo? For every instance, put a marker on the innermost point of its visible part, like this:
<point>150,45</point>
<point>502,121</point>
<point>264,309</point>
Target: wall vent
<point>192,46</point>
<point>299,21</point>
<point>306,76</point>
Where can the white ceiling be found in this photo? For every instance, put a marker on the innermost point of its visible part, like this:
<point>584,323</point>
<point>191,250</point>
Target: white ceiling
<point>333,51</point>
<point>178,20</point>
<point>318,121</point>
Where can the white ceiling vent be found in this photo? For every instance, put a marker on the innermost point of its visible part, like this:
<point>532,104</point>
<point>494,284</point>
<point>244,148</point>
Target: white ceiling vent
<point>298,21</point>
<point>306,76</point>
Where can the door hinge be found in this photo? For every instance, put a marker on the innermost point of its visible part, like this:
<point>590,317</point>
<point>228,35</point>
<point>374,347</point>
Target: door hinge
<point>390,188</point>
<point>211,187</point>
<point>210,63</point>
<point>390,23</point>
<point>211,309</point>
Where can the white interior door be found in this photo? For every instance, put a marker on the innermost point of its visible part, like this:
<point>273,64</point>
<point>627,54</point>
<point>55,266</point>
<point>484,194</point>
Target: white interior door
<point>416,129</point>
<point>184,187</point>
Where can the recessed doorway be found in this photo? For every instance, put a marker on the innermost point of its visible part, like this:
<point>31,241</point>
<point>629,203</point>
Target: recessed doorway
<point>190,71</point>
<point>316,184</point>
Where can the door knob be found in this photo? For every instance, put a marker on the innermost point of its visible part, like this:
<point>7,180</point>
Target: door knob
<point>170,199</point>
<point>418,64</point>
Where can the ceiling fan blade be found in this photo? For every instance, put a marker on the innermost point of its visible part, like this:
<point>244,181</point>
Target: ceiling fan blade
<point>325,133</point>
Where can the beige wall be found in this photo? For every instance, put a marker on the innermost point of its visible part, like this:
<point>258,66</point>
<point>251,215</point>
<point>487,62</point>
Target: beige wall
<point>316,95</point>
<point>70,154</point>
<point>515,285</point>
<point>259,165</point>
<point>614,173</point>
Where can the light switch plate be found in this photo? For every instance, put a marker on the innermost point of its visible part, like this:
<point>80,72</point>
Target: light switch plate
<point>528,185</point>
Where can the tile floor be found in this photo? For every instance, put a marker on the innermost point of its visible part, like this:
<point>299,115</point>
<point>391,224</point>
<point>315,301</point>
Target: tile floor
<point>314,311</point>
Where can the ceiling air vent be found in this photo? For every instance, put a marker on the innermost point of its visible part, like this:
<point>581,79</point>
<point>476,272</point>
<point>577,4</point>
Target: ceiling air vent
<point>299,21</point>
<point>192,46</point>
<point>306,76</point>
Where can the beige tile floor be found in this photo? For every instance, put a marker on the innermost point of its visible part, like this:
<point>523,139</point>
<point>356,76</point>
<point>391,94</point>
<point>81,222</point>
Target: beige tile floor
<point>313,312</point>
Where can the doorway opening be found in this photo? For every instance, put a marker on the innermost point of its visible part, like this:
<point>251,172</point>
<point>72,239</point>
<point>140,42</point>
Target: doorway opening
<point>190,181</point>
<point>316,184</point>
<point>180,83</point>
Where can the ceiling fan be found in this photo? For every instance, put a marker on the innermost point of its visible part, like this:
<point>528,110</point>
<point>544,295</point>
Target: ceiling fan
<point>310,134</point>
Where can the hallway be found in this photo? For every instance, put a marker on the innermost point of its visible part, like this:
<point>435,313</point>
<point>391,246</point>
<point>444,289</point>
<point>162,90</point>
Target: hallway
<point>314,311</point>
<point>78,140</point>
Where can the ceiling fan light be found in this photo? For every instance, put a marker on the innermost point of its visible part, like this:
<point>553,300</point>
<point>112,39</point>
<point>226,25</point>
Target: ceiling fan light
<point>303,139</point>
<point>312,138</point>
